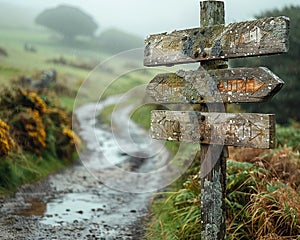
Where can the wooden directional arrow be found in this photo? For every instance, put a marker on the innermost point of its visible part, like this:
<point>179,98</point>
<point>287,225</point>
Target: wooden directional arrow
<point>224,85</point>
<point>244,39</point>
<point>246,130</point>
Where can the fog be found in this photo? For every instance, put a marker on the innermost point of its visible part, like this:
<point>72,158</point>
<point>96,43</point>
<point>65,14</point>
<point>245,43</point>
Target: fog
<point>145,17</point>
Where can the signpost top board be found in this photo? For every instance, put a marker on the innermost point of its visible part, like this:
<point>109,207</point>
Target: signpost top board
<point>243,39</point>
<point>222,85</point>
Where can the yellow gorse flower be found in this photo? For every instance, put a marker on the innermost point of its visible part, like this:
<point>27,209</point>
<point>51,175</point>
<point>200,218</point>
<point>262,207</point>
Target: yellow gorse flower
<point>6,142</point>
<point>74,139</point>
<point>35,100</point>
<point>36,130</point>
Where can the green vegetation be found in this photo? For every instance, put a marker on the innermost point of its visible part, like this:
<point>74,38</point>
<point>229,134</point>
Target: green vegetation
<point>23,167</point>
<point>67,102</point>
<point>125,83</point>
<point>21,62</point>
<point>286,103</point>
<point>105,115</point>
<point>289,136</point>
<point>142,115</point>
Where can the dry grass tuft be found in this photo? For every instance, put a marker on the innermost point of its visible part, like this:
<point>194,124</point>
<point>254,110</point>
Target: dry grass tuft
<point>283,163</point>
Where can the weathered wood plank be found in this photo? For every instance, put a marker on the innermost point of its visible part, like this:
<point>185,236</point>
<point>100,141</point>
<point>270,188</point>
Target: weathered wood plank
<point>213,157</point>
<point>224,85</point>
<point>244,130</point>
<point>243,39</point>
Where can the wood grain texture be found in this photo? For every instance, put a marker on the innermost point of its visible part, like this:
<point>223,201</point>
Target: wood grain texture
<point>243,39</point>
<point>238,85</point>
<point>245,130</point>
<point>213,157</point>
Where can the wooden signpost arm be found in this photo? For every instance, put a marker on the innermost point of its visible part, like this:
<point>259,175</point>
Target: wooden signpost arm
<point>218,42</point>
<point>213,157</point>
<point>238,85</point>
<point>251,130</point>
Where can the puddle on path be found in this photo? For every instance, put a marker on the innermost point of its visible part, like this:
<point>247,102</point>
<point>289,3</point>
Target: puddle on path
<point>65,209</point>
<point>73,207</point>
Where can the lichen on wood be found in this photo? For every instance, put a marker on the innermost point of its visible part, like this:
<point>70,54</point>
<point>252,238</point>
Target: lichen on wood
<point>231,129</point>
<point>211,195</point>
<point>243,39</point>
<point>222,85</point>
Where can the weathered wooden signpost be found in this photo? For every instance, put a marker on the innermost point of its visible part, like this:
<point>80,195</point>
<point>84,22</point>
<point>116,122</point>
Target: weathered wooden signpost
<point>213,86</point>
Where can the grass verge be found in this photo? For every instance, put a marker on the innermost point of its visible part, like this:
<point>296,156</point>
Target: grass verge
<point>21,168</point>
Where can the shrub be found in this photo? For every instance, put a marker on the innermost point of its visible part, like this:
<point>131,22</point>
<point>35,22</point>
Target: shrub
<point>38,125</point>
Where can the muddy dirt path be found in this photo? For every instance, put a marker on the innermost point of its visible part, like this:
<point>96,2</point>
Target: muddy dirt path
<point>105,195</point>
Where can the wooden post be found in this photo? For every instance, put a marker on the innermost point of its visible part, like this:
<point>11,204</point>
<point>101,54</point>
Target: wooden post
<point>213,157</point>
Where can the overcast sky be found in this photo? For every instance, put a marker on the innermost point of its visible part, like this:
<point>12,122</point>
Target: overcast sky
<point>145,17</point>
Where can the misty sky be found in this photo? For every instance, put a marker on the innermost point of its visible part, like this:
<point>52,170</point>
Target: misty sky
<point>146,17</point>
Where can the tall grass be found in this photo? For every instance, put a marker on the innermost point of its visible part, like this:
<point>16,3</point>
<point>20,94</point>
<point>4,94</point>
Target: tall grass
<point>262,202</point>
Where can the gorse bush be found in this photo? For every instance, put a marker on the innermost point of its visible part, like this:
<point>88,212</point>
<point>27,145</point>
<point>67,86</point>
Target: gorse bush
<point>37,124</point>
<point>33,126</point>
